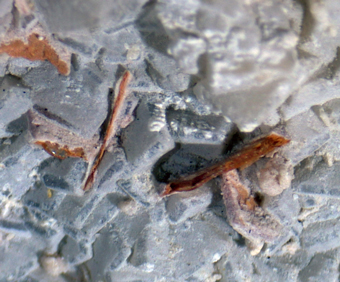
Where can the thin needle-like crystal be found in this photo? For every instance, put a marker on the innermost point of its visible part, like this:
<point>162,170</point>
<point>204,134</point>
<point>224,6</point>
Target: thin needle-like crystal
<point>118,107</point>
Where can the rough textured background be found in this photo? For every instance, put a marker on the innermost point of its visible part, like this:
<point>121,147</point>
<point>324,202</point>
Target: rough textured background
<point>207,75</point>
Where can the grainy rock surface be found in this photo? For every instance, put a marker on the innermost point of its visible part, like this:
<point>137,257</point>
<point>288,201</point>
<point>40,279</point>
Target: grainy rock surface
<point>208,76</point>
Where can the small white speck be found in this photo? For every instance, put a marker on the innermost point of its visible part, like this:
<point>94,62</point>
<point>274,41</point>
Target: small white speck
<point>149,267</point>
<point>216,257</point>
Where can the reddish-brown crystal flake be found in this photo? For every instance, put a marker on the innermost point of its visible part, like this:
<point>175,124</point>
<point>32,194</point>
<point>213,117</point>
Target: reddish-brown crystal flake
<point>244,214</point>
<point>245,157</point>
<point>61,152</point>
<point>36,48</point>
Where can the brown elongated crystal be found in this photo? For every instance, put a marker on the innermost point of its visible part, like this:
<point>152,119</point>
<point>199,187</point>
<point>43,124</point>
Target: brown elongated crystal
<point>58,141</point>
<point>61,152</point>
<point>113,125</point>
<point>245,157</point>
<point>61,143</point>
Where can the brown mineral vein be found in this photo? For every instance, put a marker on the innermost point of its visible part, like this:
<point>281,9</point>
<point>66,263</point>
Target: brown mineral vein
<point>37,48</point>
<point>245,157</point>
<point>112,127</point>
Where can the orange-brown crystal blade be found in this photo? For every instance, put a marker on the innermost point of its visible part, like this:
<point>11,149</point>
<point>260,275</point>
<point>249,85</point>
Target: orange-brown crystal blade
<point>110,131</point>
<point>245,157</point>
<point>61,152</point>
